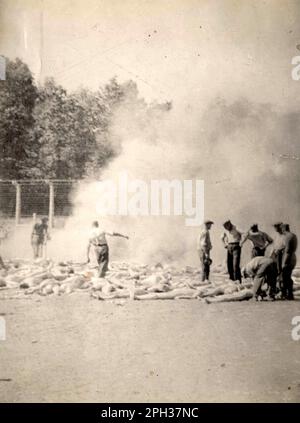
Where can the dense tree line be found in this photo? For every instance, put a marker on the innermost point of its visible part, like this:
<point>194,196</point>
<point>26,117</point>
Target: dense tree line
<point>46,132</point>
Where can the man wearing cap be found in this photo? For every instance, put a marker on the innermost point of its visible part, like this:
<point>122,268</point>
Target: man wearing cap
<point>203,247</point>
<point>98,240</point>
<point>289,261</point>
<point>263,270</point>
<point>39,237</point>
<point>231,239</point>
<point>260,240</point>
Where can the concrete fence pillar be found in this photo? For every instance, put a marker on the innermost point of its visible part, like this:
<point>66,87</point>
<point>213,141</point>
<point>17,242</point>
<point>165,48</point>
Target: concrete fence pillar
<point>18,203</point>
<point>51,204</point>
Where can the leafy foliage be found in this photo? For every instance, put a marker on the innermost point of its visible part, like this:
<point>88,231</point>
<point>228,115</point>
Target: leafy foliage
<point>17,99</point>
<point>48,133</point>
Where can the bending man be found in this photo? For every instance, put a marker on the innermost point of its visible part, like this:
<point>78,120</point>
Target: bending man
<point>263,270</point>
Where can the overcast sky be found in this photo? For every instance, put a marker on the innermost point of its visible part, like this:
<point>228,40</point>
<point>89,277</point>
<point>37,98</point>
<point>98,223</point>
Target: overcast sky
<point>190,52</point>
<point>174,49</point>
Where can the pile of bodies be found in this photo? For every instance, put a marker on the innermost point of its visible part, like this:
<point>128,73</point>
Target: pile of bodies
<point>124,281</point>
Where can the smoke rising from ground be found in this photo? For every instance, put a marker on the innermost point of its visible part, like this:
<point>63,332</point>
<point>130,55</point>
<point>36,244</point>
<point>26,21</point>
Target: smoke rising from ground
<point>246,153</point>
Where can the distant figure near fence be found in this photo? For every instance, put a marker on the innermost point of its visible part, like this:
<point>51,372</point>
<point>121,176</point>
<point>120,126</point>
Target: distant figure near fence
<point>2,265</point>
<point>39,238</point>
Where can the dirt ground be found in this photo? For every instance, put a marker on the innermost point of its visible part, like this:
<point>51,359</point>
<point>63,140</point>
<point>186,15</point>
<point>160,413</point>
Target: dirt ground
<point>77,349</point>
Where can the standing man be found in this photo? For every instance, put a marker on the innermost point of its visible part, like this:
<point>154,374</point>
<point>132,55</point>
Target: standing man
<point>260,240</point>
<point>278,246</point>
<point>263,270</point>
<point>289,261</point>
<point>39,237</point>
<point>231,239</point>
<point>3,235</point>
<point>203,247</point>
<point>2,265</point>
<point>98,241</point>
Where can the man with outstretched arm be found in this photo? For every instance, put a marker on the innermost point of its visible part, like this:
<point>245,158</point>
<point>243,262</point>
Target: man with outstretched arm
<point>98,240</point>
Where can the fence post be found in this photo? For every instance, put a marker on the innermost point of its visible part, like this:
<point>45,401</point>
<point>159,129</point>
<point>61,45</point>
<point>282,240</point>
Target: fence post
<point>51,204</point>
<point>18,202</point>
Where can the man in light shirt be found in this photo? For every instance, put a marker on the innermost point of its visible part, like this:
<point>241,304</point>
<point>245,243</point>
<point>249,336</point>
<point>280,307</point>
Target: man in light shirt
<point>203,247</point>
<point>260,240</point>
<point>98,240</point>
<point>263,270</point>
<point>231,239</point>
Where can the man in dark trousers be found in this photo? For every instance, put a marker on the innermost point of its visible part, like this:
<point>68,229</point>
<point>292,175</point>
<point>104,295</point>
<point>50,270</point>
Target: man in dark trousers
<point>289,261</point>
<point>231,239</point>
<point>204,246</point>
<point>98,240</point>
<point>3,235</point>
<point>2,265</point>
<point>39,238</point>
<point>259,239</point>
<point>278,246</point>
<point>263,270</point>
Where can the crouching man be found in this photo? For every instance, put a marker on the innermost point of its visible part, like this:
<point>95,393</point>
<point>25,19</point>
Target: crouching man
<point>98,241</point>
<point>263,270</point>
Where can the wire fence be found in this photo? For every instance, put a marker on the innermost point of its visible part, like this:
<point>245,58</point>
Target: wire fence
<point>21,199</point>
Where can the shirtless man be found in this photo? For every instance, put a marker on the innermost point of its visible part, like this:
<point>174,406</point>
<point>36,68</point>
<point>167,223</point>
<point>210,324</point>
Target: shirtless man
<point>259,239</point>
<point>98,240</point>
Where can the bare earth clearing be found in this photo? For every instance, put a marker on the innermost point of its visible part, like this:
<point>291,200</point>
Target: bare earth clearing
<point>75,348</point>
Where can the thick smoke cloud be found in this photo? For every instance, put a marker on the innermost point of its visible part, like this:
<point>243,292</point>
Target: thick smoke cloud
<point>246,153</point>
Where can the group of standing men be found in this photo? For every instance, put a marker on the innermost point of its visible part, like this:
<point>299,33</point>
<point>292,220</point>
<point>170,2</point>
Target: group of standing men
<point>273,270</point>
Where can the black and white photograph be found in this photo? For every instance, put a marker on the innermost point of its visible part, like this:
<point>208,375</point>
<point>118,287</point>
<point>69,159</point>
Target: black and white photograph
<point>149,203</point>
